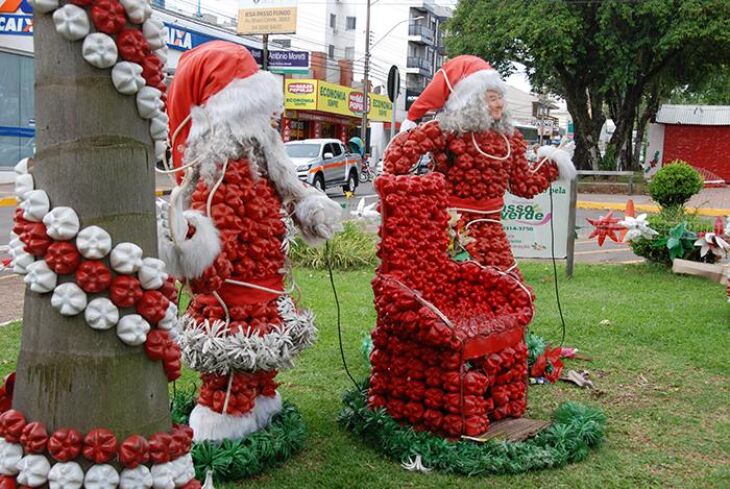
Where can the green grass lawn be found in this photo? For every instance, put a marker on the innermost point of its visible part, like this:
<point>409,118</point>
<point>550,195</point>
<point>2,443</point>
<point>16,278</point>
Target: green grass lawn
<point>660,366</point>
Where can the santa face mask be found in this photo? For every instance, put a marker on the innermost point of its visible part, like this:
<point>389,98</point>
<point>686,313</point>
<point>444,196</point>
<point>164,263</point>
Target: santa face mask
<point>495,103</point>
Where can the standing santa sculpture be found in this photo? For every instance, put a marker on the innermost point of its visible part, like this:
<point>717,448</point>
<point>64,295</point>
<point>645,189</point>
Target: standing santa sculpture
<point>242,200</point>
<point>449,350</point>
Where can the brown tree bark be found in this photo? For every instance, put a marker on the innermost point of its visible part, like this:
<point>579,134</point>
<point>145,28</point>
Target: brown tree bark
<point>588,120</point>
<point>94,154</point>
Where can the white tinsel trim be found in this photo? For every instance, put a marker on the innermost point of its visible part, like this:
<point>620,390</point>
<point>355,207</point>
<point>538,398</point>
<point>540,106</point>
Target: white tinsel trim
<point>208,348</point>
<point>266,408</point>
<point>208,425</point>
<point>563,158</point>
<point>290,232</point>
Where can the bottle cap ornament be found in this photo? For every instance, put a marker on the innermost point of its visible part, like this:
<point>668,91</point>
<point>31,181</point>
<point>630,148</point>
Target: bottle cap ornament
<point>99,50</point>
<point>132,329</point>
<point>21,261</point>
<point>152,273</point>
<point>132,45</point>
<point>33,470</point>
<point>65,444</point>
<point>62,223</point>
<point>127,77</point>
<point>21,167</point>
<point>170,320</point>
<point>101,314</point>
<point>44,6</point>
<point>154,32</point>
<point>71,22</point>
<point>67,475</point>
<point>183,470</point>
<point>94,243</point>
<point>158,126</point>
<point>35,206</point>
<point>10,455</point>
<point>40,277</point>
<point>101,477</point>
<point>126,258</point>
<point>139,477</point>
<point>68,299</point>
<point>62,257</point>
<point>149,102</point>
<point>137,10</point>
<point>93,276</point>
<point>162,476</point>
<point>23,185</point>
<point>108,16</point>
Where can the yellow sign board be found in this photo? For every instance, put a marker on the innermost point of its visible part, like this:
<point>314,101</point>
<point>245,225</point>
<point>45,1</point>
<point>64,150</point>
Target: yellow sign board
<point>334,99</point>
<point>267,17</point>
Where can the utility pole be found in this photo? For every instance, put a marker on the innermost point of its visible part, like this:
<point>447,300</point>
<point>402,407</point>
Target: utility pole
<point>265,54</point>
<point>366,82</point>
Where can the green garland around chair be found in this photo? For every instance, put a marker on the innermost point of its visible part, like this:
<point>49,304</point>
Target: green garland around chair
<point>575,430</point>
<point>232,460</point>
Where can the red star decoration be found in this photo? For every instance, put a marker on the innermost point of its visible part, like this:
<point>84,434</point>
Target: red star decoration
<point>606,227</point>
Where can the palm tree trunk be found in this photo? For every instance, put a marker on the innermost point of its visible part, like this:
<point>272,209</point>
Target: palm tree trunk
<point>94,154</point>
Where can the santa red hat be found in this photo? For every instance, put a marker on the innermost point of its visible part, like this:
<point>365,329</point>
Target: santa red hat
<point>215,84</point>
<point>458,80</point>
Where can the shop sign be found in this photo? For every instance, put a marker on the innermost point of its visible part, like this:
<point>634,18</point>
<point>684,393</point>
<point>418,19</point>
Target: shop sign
<point>347,101</point>
<point>300,94</point>
<point>267,17</point>
<point>527,223</point>
<point>16,18</point>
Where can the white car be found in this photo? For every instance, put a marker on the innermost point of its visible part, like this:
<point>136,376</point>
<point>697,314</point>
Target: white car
<point>325,163</point>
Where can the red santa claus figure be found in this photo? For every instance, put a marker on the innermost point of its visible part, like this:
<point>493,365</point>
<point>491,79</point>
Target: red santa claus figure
<point>449,352</point>
<point>482,156</point>
<point>227,230</point>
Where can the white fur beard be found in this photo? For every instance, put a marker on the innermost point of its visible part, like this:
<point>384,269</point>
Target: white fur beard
<point>473,116</point>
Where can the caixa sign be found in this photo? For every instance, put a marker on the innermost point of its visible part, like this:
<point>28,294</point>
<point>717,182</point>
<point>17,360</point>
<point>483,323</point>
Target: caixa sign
<point>16,18</point>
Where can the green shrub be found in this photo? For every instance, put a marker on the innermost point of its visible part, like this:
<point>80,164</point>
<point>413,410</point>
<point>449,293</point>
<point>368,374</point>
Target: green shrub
<point>656,249</point>
<point>674,184</point>
<point>352,249</point>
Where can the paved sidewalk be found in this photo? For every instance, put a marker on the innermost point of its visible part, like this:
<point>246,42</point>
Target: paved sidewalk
<point>12,290</point>
<point>709,202</point>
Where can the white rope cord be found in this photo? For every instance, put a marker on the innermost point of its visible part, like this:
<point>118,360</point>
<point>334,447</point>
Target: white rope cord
<point>446,78</point>
<point>211,194</point>
<point>228,392</point>
<point>224,306</point>
<point>241,283</point>
<point>494,221</point>
<point>512,277</point>
<point>498,158</point>
<point>474,211</point>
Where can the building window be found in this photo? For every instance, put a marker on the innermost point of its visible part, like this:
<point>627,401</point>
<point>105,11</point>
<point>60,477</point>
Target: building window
<point>350,52</point>
<point>17,124</point>
<point>351,23</point>
<point>331,51</point>
<point>333,21</point>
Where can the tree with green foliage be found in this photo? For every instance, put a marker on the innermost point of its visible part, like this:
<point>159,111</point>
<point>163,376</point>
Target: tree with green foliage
<point>602,56</point>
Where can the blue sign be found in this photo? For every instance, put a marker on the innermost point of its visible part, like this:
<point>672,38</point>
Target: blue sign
<point>16,25</point>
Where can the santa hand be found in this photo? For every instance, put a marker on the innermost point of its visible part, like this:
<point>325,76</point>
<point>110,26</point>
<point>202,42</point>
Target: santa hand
<point>318,217</point>
<point>563,158</point>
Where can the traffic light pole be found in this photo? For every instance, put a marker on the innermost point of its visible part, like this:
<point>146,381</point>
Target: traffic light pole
<point>366,82</point>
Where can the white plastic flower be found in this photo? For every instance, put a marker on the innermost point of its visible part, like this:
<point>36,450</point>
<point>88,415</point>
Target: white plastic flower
<point>637,228</point>
<point>21,261</point>
<point>40,277</point>
<point>62,223</point>
<point>711,242</point>
<point>127,77</point>
<point>183,470</point>
<point>415,465</point>
<point>126,258</point>
<point>66,475</point>
<point>100,50</point>
<point>154,32</point>
<point>137,10</point>
<point>152,273</point>
<point>36,205</point>
<point>365,212</point>
<point>101,476</point>
<point>44,6</point>
<point>68,299</point>
<point>132,329</point>
<point>162,476</point>
<point>101,314</point>
<point>33,470</point>
<point>10,455</point>
<point>94,243</point>
<point>71,22</point>
<point>149,102</point>
<point>137,478</point>
<point>23,185</point>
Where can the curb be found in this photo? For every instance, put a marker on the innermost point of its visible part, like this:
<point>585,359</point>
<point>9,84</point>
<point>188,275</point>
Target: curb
<point>651,208</point>
<point>12,201</point>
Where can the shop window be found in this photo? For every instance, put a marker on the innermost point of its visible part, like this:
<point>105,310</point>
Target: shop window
<point>16,108</point>
<point>351,23</point>
<point>331,51</point>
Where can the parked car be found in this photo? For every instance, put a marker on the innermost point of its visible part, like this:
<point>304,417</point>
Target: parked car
<point>424,165</point>
<point>325,163</point>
